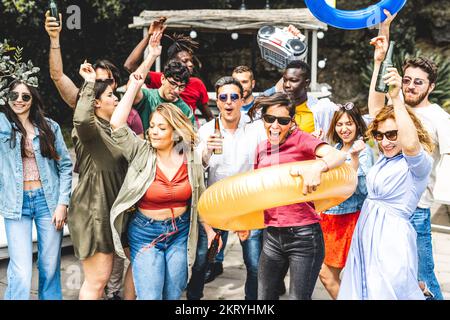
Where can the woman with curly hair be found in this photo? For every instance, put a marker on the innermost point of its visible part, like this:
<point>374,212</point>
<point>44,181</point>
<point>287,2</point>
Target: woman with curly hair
<point>382,262</point>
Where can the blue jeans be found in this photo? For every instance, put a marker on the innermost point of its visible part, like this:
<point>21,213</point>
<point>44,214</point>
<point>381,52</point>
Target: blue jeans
<point>251,250</point>
<point>159,272</point>
<point>20,249</point>
<point>421,222</point>
<point>221,255</point>
<point>302,249</point>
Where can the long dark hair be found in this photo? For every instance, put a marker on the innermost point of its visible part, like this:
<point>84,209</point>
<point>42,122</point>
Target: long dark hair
<point>46,136</point>
<point>355,115</point>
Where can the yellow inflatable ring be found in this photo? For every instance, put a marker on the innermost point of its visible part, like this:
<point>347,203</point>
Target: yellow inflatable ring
<point>238,202</point>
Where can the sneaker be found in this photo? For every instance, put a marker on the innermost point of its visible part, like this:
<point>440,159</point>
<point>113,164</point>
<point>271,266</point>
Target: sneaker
<point>214,270</point>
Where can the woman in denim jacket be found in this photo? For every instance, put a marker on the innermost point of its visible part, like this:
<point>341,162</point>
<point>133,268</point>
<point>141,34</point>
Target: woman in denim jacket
<point>346,131</point>
<point>163,183</point>
<point>35,184</point>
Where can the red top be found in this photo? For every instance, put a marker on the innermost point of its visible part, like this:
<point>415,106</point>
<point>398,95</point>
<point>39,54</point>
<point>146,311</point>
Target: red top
<point>134,122</point>
<point>194,94</point>
<point>299,146</point>
<point>163,194</point>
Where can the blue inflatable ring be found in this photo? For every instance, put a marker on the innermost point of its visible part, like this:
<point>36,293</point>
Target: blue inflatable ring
<point>352,20</point>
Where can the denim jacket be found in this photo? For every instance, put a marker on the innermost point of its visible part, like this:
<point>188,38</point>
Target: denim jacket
<point>56,176</point>
<point>355,202</point>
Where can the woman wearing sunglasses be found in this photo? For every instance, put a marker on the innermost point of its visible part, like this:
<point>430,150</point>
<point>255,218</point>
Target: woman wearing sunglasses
<point>163,184</point>
<point>382,261</point>
<point>346,131</point>
<point>35,184</point>
<point>293,236</point>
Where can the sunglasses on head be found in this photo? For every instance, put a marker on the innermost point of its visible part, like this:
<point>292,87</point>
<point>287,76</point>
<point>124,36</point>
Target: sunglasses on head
<point>224,97</point>
<point>347,106</point>
<point>390,135</point>
<point>417,82</point>
<point>13,96</point>
<point>281,120</point>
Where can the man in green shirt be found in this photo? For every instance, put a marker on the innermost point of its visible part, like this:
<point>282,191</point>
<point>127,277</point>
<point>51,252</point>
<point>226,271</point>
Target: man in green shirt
<point>174,80</point>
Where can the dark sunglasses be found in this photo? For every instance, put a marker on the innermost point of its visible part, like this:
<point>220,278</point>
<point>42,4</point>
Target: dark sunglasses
<point>224,97</point>
<point>390,135</point>
<point>13,96</point>
<point>175,85</point>
<point>281,120</point>
<point>417,82</point>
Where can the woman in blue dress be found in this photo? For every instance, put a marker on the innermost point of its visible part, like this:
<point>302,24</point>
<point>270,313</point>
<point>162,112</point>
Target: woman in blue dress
<point>382,262</point>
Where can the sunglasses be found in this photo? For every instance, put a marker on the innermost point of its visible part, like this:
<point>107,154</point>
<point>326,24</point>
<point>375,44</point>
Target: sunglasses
<point>224,97</point>
<point>347,106</point>
<point>417,82</point>
<point>281,120</point>
<point>390,135</point>
<point>175,85</point>
<point>13,96</point>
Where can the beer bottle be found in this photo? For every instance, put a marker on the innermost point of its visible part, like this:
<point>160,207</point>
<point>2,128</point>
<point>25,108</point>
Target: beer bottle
<point>53,8</point>
<point>387,63</point>
<point>212,251</point>
<point>217,133</point>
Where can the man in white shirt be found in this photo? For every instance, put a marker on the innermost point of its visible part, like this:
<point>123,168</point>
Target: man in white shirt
<point>239,140</point>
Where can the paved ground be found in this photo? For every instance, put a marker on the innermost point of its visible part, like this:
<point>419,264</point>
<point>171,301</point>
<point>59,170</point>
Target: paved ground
<point>230,285</point>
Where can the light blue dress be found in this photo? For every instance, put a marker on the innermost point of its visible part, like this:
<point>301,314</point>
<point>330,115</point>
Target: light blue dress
<point>382,261</point>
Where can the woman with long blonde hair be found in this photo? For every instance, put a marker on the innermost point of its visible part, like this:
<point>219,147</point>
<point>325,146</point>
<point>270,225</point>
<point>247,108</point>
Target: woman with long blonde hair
<point>163,184</point>
<point>382,262</point>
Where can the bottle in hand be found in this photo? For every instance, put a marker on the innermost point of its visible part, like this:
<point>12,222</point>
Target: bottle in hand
<point>218,134</point>
<point>381,86</point>
<point>212,251</point>
<point>53,8</point>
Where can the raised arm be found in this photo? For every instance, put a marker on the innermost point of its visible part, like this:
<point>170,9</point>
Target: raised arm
<point>154,52</point>
<point>84,116</point>
<point>120,114</point>
<point>66,88</point>
<point>381,43</point>
<point>407,131</point>
<point>136,56</point>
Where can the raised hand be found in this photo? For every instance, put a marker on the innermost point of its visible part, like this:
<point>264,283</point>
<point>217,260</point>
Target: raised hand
<point>87,72</point>
<point>51,25</point>
<point>381,47</point>
<point>157,25</point>
<point>154,44</point>
<point>394,81</point>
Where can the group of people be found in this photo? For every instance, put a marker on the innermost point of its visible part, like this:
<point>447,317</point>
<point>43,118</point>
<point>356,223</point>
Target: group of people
<point>145,159</point>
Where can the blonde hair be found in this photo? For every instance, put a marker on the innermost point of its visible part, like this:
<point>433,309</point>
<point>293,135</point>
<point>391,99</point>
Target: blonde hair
<point>180,123</point>
<point>387,112</point>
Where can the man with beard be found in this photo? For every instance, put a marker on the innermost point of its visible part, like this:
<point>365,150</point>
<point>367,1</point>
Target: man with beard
<point>245,76</point>
<point>419,80</point>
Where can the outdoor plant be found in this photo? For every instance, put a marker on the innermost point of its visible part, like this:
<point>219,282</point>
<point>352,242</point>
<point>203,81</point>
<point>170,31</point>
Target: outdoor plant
<point>13,68</point>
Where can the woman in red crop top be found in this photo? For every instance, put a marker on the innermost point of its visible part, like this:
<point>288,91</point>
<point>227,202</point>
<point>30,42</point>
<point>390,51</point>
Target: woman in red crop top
<point>293,237</point>
<point>164,183</point>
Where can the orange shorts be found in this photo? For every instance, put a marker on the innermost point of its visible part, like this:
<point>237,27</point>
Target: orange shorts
<point>337,234</point>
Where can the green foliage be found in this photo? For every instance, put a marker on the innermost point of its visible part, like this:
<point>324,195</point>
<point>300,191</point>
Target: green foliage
<point>440,95</point>
<point>14,69</point>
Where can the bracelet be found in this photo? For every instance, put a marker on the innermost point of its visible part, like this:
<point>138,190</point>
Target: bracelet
<point>55,47</point>
<point>326,164</point>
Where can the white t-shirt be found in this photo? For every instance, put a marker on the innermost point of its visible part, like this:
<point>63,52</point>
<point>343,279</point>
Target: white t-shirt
<point>437,122</point>
<point>239,148</point>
